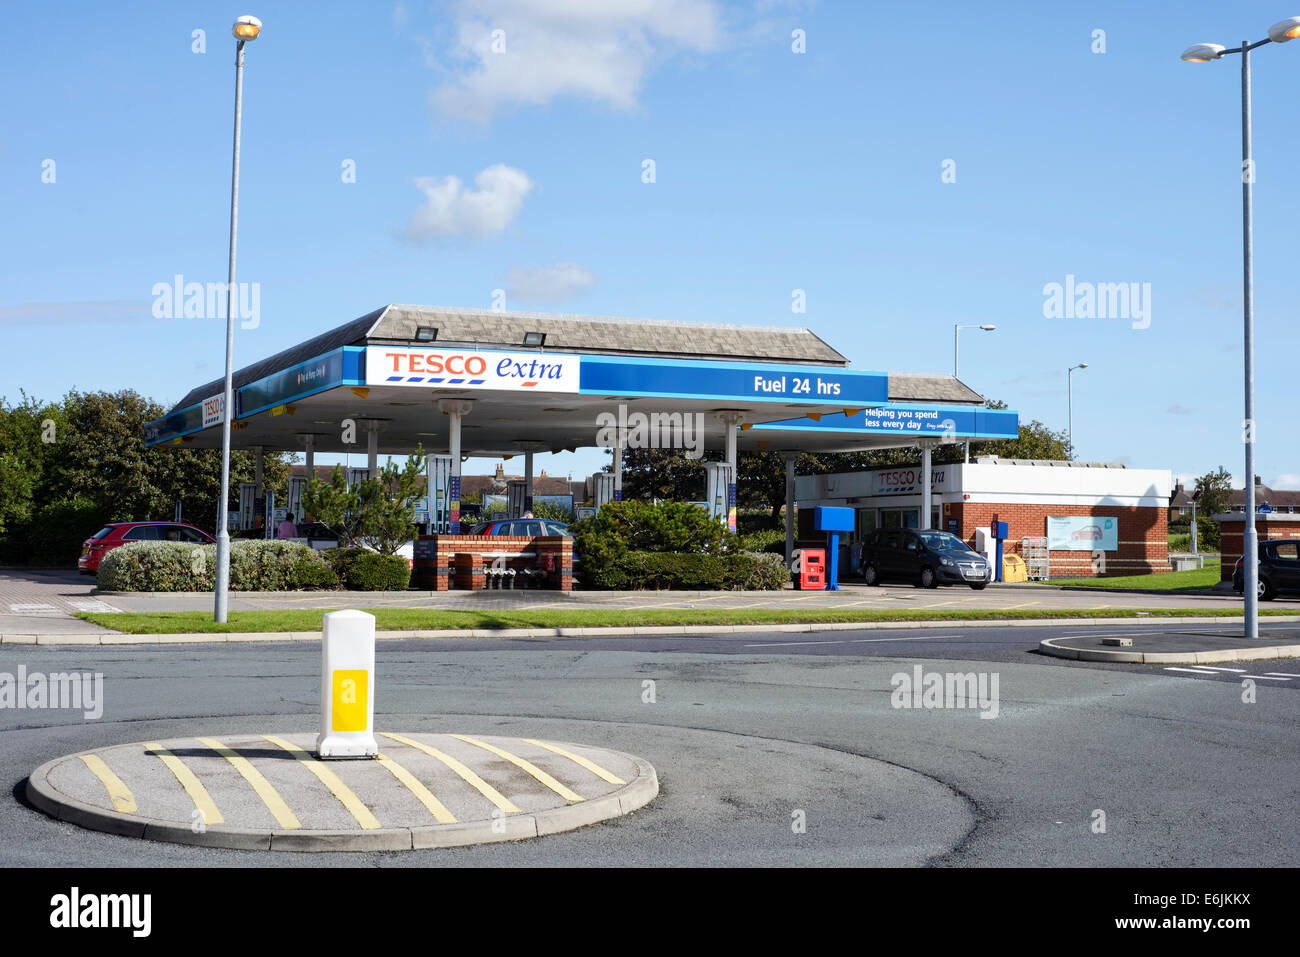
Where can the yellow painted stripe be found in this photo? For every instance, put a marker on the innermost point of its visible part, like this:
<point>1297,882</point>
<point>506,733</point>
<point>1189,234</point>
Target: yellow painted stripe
<point>332,781</point>
<point>591,766</point>
<point>269,795</point>
<point>413,784</point>
<point>192,785</point>
<point>117,790</point>
<point>483,788</point>
<point>534,770</point>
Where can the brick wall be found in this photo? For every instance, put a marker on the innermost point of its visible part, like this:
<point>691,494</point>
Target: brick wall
<point>1143,534</point>
<point>436,568</point>
<point>1233,529</point>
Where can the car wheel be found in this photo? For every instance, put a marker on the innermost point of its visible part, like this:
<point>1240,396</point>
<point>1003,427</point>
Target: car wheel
<point>1266,591</point>
<point>870,576</point>
<point>979,586</point>
<point>927,578</point>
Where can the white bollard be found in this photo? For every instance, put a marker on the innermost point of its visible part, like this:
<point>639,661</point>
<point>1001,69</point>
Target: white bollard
<point>347,687</point>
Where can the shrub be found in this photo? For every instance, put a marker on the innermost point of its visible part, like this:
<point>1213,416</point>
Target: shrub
<point>158,566</point>
<point>756,520</point>
<point>553,511</point>
<point>57,531</point>
<point>667,570</point>
<point>271,565</point>
<point>363,570</point>
<point>178,566</point>
<point>762,540</point>
<point>600,542</point>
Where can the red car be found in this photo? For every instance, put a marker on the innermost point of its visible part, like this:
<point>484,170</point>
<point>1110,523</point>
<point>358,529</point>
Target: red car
<point>114,534</point>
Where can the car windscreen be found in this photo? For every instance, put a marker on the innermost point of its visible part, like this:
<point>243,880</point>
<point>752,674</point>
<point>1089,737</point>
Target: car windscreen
<point>943,542</point>
<point>102,532</point>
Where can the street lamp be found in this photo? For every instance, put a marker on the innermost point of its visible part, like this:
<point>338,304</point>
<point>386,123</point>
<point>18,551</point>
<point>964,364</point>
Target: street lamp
<point>1280,32</point>
<point>1069,389</point>
<point>988,327</point>
<point>245,28</point>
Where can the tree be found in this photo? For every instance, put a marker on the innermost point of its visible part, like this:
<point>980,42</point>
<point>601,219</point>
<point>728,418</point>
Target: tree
<point>377,512</point>
<point>663,474</point>
<point>1213,493</point>
<point>86,453</point>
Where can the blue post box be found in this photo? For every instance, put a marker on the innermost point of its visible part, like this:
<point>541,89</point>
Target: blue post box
<point>832,521</point>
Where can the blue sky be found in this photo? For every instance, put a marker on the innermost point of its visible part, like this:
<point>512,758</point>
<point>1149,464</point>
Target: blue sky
<point>774,171</point>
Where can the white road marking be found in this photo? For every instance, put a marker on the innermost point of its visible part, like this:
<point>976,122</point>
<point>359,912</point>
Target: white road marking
<point>1279,674</point>
<point>1194,671</point>
<point>1270,677</point>
<point>94,605</point>
<point>31,607</point>
<point>1241,671</point>
<point>847,641</point>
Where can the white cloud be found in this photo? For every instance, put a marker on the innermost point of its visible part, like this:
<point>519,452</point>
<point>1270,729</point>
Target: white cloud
<point>63,313</point>
<point>452,209</point>
<point>399,15</point>
<point>548,284</point>
<point>1178,410</point>
<point>1285,480</point>
<point>589,49</point>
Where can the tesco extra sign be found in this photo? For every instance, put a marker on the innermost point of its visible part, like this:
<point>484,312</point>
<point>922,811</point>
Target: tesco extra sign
<point>213,409</point>
<point>471,369</point>
<point>902,481</point>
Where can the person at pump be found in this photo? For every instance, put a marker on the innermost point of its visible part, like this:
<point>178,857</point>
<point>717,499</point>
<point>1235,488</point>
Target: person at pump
<point>287,528</point>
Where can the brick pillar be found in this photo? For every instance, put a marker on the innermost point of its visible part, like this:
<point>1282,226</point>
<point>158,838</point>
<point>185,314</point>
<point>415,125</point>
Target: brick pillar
<point>469,571</point>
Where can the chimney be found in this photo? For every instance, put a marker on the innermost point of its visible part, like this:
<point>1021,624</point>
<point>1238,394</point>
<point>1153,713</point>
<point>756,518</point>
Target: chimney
<point>501,472</point>
<point>1257,480</point>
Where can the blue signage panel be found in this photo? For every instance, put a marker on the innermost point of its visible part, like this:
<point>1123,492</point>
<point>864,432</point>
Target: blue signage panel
<point>950,421</point>
<point>180,422</point>
<point>314,375</point>
<point>828,518</point>
<point>690,379</point>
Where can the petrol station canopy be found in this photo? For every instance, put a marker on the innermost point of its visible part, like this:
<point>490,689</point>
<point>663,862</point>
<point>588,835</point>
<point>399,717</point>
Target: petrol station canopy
<point>540,382</point>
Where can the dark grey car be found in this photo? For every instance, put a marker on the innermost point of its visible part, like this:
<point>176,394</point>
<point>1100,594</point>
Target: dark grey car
<point>925,558</point>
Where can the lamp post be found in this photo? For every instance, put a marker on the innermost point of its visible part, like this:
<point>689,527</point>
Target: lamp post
<point>1069,389</point>
<point>988,327</point>
<point>1280,32</point>
<point>245,28</point>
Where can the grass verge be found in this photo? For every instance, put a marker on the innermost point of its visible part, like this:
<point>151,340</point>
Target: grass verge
<point>420,619</point>
<point>1198,579</point>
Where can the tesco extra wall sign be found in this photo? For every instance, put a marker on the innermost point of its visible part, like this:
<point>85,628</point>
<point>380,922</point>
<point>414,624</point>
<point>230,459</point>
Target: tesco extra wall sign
<point>213,410</point>
<point>471,369</point>
<point>903,481</point>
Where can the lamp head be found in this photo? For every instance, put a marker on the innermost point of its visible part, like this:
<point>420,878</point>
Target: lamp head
<point>246,28</point>
<point>1284,30</point>
<point>1203,52</point>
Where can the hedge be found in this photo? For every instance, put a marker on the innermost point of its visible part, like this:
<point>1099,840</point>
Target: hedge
<point>363,570</point>
<point>57,531</point>
<point>748,571</point>
<point>178,566</point>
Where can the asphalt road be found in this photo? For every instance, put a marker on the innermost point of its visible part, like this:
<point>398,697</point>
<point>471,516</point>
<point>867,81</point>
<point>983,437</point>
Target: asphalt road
<point>746,731</point>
